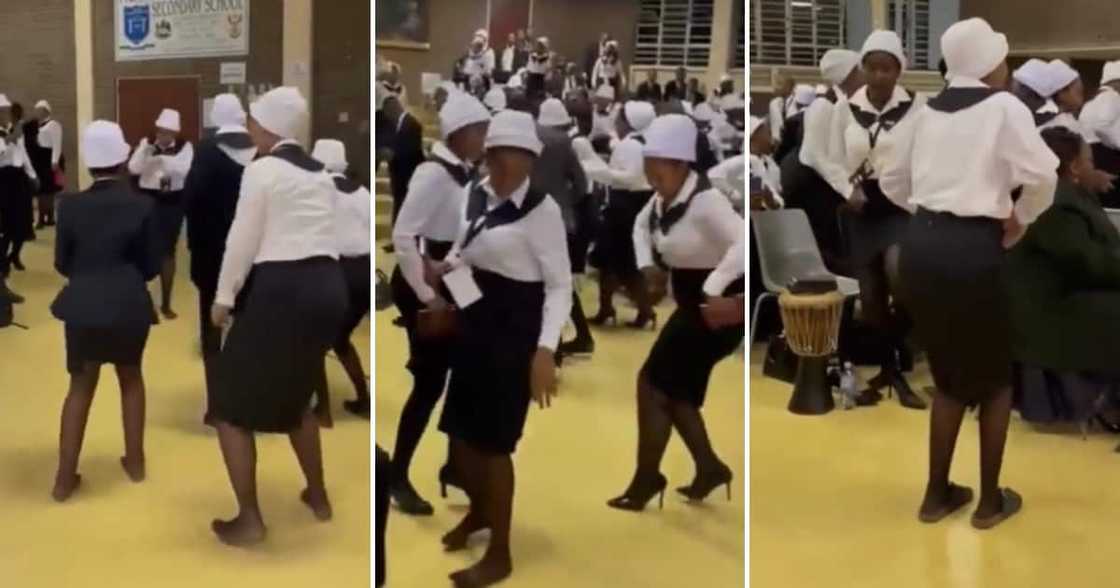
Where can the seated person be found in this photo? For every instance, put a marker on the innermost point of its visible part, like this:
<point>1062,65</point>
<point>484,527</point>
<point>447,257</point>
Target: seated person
<point>1064,293</point>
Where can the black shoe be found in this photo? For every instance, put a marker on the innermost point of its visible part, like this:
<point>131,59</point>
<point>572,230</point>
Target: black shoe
<point>17,264</point>
<point>643,320</point>
<point>906,395</point>
<point>641,492</point>
<point>12,296</point>
<point>388,248</point>
<point>398,322</point>
<point>605,315</point>
<point>358,407</point>
<point>447,477</point>
<point>705,483</point>
<point>408,501</point>
<point>577,346</point>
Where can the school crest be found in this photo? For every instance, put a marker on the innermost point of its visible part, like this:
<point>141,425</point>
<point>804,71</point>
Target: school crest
<point>137,23</point>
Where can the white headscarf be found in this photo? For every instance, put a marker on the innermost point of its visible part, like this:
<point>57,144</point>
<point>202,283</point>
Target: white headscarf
<point>972,49</point>
<point>837,65</point>
<point>1060,75</point>
<point>1111,72</point>
<point>887,42</point>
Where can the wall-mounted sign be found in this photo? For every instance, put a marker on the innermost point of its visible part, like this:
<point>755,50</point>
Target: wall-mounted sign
<point>233,73</point>
<point>175,29</point>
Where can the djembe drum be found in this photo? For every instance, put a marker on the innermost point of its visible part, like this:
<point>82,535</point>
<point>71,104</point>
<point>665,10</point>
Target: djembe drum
<point>812,327</point>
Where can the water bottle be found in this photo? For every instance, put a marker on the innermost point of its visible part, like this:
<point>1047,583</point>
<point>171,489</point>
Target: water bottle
<point>849,387</point>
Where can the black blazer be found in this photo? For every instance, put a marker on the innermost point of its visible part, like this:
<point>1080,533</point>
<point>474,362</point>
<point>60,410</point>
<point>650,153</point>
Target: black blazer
<point>646,91</point>
<point>675,90</point>
<point>408,154</point>
<point>210,192</point>
<point>108,246</point>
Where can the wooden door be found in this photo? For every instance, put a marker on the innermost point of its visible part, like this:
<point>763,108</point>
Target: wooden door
<point>140,100</point>
<point>507,16</point>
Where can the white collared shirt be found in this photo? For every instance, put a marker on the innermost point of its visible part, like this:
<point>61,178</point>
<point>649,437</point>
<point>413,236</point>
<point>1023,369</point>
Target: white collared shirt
<point>352,221</point>
<point>507,58</point>
<point>626,169</point>
<point>284,213</point>
<point>857,139</point>
<point>778,108</point>
<point>153,169</point>
<point>532,249</point>
<point>968,162</point>
<point>14,154</point>
<point>730,268</point>
<point>1101,117</point>
<point>432,209</point>
<point>823,145</point>
<point>1067,121</point>
<point>765,169</point>
<point>50,137</point>
<point>603,125</point>
<point>699,240</point>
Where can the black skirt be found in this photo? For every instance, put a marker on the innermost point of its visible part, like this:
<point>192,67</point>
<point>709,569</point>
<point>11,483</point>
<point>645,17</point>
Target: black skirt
<point>880,225</point>
<point>951,273</point>
<point>16,209</point>
<point>356,272</point>
<point>286,320</point>
<point>681,361</point>
<point>121,346</point>
<point>489,393</point>
<point>614,245</point>
<point>169,212</point>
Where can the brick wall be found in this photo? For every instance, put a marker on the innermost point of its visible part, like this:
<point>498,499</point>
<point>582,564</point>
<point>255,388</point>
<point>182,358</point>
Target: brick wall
<point>37,45</point>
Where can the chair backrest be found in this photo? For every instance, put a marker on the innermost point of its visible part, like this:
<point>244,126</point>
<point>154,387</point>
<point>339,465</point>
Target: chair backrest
<point>1114,216</point>
<point>787,248</point>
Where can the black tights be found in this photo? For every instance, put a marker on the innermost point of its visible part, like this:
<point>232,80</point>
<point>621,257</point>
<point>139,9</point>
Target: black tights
<point>167,283</point>
<point>429,377</point>
<point>635,284</point>
<point>579,319</point>
<point>878,280</point>
<point>658,415</point>
<point>945,425</point>
<point>488,480</point>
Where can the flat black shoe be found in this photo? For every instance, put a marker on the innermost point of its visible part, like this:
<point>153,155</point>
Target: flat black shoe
<point>408,501</point>
<point>13,297</point>
<point>399,322</point>
<point>604,316</point>
<point>640,493</point>
<point>18,265</point>
<point>705,483</point>
<point>577,347</point>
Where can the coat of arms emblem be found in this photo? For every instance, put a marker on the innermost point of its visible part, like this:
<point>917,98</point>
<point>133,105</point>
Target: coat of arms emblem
<point>235,27</point>
<point>137,23</point>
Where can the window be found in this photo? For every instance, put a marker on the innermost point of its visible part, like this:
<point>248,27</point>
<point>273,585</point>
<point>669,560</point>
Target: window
<point>674,32</point>
<point>795,32</point>
<point>738,58</point>
<point>910,19</point>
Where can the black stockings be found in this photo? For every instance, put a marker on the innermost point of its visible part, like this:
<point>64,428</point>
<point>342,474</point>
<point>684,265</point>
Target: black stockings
<point>489,482</point>
<point>658,415</point>
<point>579,319</point>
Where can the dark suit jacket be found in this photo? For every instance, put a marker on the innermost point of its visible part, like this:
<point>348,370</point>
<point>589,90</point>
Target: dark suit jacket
<point>408,154</point>
<point>646,91</point>
<point>210,193</point>
<point>675,90</point>
<point>559,174</point>
<point>108,246</point>
<point>1063,285</point>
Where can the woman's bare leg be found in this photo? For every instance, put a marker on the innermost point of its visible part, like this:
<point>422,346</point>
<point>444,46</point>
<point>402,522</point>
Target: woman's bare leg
<point>305,443</point>
<point>167,284</point>
<point>240,453</point>
<point>132,413</point>
<point>75,414</point>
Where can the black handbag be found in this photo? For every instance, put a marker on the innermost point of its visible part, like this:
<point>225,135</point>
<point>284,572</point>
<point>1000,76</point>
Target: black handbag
<point>382,293</point>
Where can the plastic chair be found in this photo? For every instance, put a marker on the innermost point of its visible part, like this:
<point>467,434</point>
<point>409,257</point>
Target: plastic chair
<point>787,250</point>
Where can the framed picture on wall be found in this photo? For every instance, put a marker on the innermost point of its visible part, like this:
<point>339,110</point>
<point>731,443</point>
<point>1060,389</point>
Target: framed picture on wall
<point>403,24</point>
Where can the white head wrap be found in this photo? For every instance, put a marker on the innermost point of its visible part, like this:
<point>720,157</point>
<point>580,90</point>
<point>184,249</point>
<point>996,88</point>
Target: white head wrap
<point>804,94</point>
<point>459,111</point>
<point>332,154</point>
<point>169,120</point>
<point>756,122</point>
<point>639,114</point>
<point>103,145</point>
<point>553,114</point>
<point>227,111</point>
<point>513,128</point>
<point>1033,74</point>
<point>887,42</point>
<point>281,111</point>
<point>44,105</point>
<point>837,65</point>
<point>972,49</point>
<point>495,99</point>
<point>1111,72</point>
<point>672,136</point>
<point>1060,75</point>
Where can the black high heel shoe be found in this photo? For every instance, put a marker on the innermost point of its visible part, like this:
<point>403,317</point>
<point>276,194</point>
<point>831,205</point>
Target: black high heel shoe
<point>447,477</point>
<point>638,494</point>
<point>906,396</point>
<point>604,316</point>
<point>642,320</point>
<point>705,483</point>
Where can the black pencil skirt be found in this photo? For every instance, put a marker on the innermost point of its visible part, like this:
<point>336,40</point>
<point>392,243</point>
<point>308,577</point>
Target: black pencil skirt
<point>273,355</point>
<point>119,346</point>
<point>169,213</point>
<point>951,272</point>
<point>489,393</point>
<point>614,245</point>
<point>687,350</point>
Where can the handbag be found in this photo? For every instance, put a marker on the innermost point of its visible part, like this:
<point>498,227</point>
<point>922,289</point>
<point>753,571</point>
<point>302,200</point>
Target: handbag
<point>382,293</point>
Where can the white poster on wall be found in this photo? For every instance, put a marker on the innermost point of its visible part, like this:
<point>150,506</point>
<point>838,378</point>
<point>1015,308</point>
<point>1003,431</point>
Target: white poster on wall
<point>175,29</point>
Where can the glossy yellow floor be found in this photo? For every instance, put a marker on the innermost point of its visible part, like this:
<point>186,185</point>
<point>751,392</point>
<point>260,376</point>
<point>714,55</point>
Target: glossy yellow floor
<point>834,502</point>
<point>115,533</point>
<point>574,457</point>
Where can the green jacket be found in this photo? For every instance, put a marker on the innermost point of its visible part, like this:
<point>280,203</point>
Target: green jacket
<point>1063,284</point>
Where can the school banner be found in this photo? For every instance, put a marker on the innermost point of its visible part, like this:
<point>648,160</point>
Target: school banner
<point>176,29</point>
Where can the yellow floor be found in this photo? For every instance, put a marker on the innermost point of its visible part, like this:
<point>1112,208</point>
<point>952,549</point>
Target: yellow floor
<point>574,457</point>
<point>114,533</point>
<point>834,502</point>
